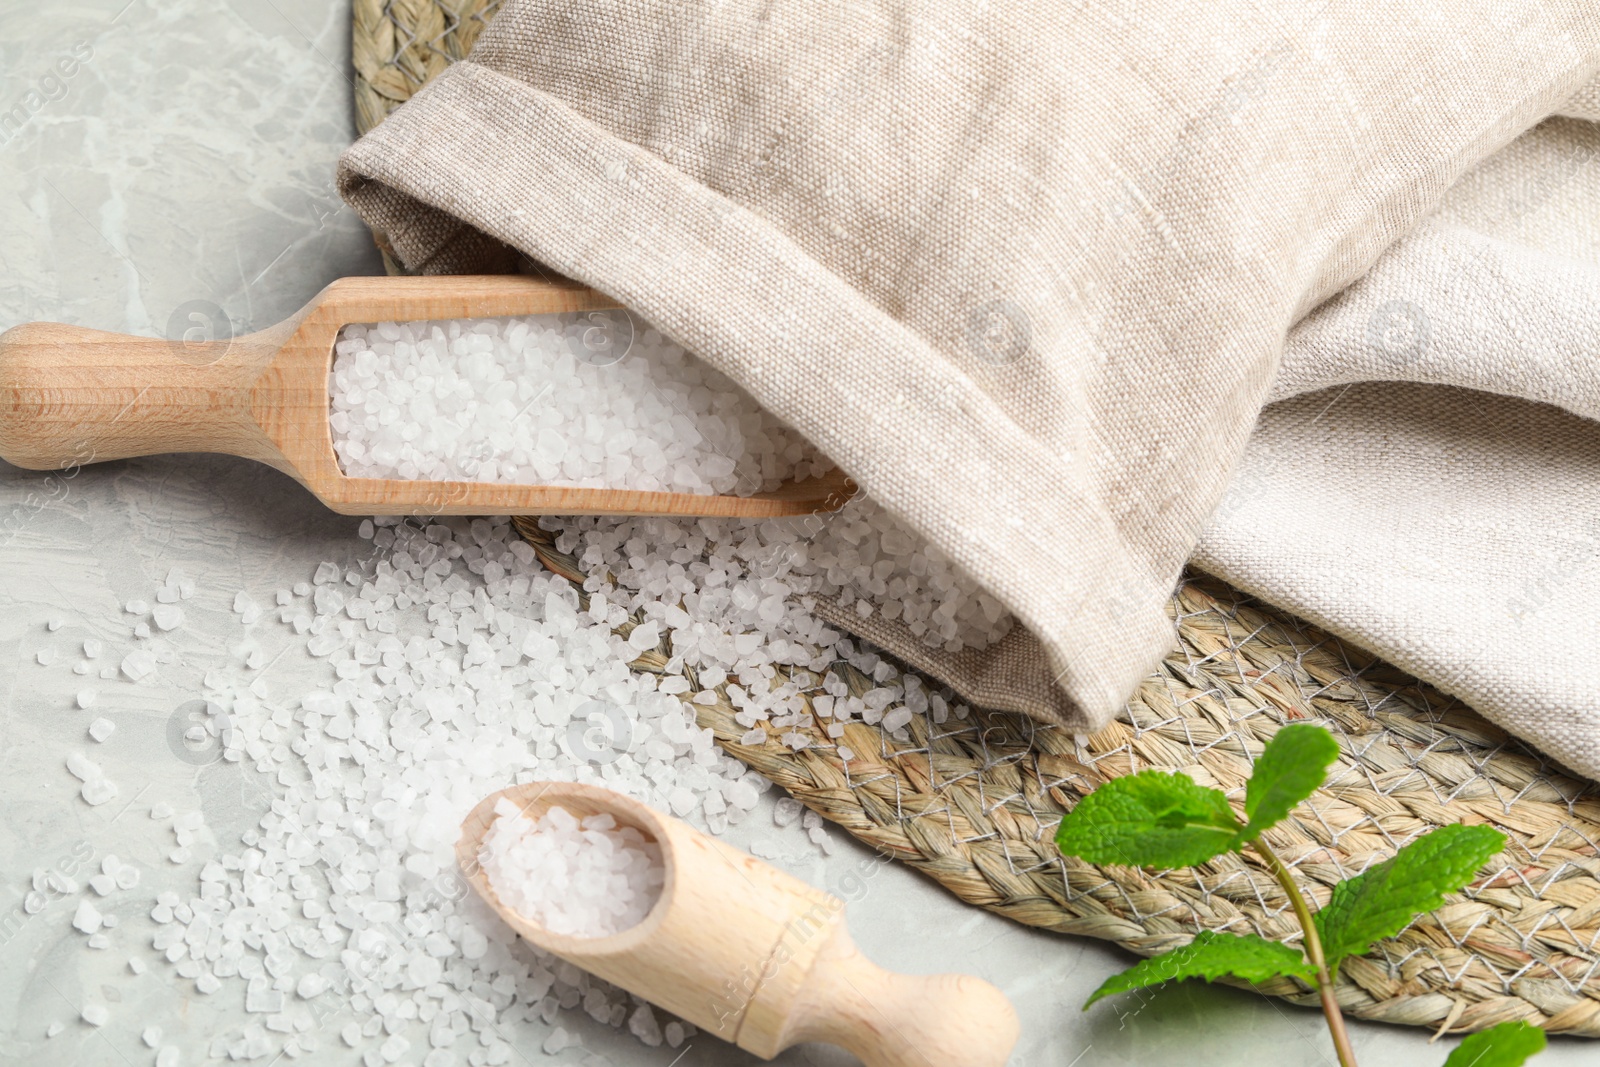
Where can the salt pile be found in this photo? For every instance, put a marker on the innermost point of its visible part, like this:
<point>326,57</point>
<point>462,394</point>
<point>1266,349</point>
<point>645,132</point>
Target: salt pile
<point>551,400</point>
<point>578,878</point>
<point>539,400</point>
<point>456,665</point>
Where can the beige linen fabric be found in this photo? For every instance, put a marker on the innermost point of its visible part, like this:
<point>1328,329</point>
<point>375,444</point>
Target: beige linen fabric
<point>1455,525</point>
<point>1025,270</point>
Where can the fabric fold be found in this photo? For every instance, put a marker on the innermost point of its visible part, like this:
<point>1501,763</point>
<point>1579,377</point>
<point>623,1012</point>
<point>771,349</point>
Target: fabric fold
<point>1024,272</point>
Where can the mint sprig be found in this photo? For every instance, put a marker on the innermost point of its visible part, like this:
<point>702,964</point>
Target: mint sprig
<point>1382,900</point>
<point>1506,1045</point>
<point>1159,819</point>
<point>1211,955</point>
<point>1150,819</point>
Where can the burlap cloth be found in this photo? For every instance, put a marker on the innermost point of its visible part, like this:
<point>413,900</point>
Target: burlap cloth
<point>1027,271</point>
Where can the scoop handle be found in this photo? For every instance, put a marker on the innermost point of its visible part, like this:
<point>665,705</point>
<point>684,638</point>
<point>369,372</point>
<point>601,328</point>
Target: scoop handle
<point>70,396</point>
<point>897,1020</point>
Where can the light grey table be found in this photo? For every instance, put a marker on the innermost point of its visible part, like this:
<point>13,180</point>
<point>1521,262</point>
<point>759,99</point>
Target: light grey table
<point>184,167</point>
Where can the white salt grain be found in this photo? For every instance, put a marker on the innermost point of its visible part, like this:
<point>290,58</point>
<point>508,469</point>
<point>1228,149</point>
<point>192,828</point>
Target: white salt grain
<point>53,1029</point>
<point>310,986</point>
<point>786,811</point>
<point>578,878</point>
<point>95,1014</point>
<point>82,767</point>
<point>575,399</point>
<point>462,665</point>
<point>246,608</point>
<point>138,664</point>
<point>101,729</point>
<point>97,791</point>
<point>151,1036</point>
<point>167,616</point>
<point>86,918</point>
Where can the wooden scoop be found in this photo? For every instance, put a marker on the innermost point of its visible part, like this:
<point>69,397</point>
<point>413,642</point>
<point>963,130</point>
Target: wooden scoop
<point>753,955</point>
<point>70,396</point>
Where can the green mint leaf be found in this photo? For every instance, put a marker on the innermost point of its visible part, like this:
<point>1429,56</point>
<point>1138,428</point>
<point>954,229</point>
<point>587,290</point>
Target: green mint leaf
<point>1210,956</point>
<point>1382,900</point>
<point>1506,1045</point>
<point>1150,819</point>
<point>1292,766</point>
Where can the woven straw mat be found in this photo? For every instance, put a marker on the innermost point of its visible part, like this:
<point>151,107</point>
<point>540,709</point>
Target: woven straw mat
<point>973,803</point>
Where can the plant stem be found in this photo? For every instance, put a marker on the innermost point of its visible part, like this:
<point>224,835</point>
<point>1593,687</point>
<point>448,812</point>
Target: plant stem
<point>1313,947</point>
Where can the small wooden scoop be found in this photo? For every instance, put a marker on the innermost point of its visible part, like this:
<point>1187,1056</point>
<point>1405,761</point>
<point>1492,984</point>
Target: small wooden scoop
<point>70,396</point>
<point>755,956</point>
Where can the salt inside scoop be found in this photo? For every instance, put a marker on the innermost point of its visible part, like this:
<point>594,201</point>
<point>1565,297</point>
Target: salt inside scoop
<point>575,877</point>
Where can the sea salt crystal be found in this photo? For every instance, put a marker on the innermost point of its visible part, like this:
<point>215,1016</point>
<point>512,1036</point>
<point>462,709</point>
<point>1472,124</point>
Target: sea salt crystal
<point>101,729</point>
<point>53,1029</point>
<point>645,415</point>
<point>93,647</point>
<point>86,698</point>
<point>46,656</point>
<point>98,791</point>
<point>86,919</point>
<point>579,878</point>
<point>138,664</point>
<point>786,811</point>
<point>95,1014</point>
<point>896,719</point>
<point>82,767</point>
<point>136,607</point>
<point>246,608</point>
<point>151,1036</point>
<point>461,662</point>
<point>310,986</point>
<point>167,616</point>
<point>169,1056</point>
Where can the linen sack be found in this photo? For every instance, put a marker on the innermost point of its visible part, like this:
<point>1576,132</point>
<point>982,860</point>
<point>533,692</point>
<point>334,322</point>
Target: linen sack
<point>1025,271</point>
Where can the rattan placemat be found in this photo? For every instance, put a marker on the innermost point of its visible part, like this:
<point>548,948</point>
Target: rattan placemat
<point>973,802</point>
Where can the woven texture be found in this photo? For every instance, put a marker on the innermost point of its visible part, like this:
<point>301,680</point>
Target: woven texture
<point>973,803</point>
<point>396,46</point>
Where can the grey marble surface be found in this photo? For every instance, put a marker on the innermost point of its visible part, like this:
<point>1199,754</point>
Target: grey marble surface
<point>184,169</point>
